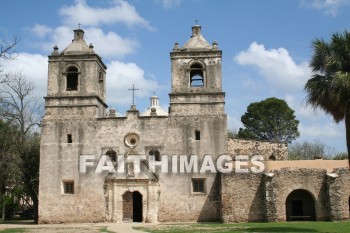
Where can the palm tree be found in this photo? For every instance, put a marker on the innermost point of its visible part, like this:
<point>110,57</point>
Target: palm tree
<point>329,87</point>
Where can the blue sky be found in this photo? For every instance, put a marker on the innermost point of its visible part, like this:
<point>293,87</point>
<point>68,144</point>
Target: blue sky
<point>266,47</point>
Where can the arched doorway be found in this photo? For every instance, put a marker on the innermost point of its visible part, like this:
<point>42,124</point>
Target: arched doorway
<point>137,207</point>
<point>132,207</point>
<point>300,206</point>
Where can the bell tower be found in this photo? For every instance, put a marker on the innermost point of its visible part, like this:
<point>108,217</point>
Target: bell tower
<point>196,82</point>
<point>76,81</point>
<point>197,103</point>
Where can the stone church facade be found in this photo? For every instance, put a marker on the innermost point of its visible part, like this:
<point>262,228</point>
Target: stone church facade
<point>79,135</point>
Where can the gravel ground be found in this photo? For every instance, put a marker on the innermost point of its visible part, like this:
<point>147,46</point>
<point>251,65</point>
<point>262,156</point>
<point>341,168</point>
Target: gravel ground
<point>63,228</point>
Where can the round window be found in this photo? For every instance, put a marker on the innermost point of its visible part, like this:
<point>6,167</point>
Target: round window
<point>131,140</point>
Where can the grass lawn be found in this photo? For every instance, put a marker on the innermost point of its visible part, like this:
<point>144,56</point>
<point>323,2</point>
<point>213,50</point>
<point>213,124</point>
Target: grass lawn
<point>13,230</point>
<point>250,227</point>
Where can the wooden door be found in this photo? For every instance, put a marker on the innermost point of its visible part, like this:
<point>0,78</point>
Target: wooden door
<point>128,207</point>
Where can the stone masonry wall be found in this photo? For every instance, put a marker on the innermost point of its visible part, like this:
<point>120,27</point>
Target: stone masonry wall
<point>286,180</point>
<point>339,194</point>
<point>264,148</point>
<point>242,197</point>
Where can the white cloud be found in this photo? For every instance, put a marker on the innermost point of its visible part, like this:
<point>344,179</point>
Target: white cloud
<point>283,77</point>
<point>329,130</point>
<point>167,4</point>
<point>302,110</point>
<point>107,45</point>
<point>120,12</point>
<point>121,76</point>
<point>110,44</point>
<point>276,66</point>
<point>330,7</point>
<point>61,36</point>
<point>41,30</point>
<point>33,66</point>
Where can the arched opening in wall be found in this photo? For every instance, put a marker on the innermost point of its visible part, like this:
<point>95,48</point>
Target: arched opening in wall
<point>272,157</point>
<point>197,75</point>
<point>156,154</point>
<point>72,79</point>
<point>132,207</point>
<point>137,207</point>
<point>300,206</point>
<point>112,155</point>
<point>100,81</point>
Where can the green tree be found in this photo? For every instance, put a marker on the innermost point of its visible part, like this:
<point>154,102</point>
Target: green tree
<point>8,137</point>
<point>19,106</point>
<point>9,163</point>
<point>329,87</point>
<point>340,156</point>
<point>271,119</point>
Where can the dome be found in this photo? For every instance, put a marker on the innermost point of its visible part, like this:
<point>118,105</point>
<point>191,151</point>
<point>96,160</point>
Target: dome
<point>196,41</point>
<point>78,45</point>
<point>154,109</point>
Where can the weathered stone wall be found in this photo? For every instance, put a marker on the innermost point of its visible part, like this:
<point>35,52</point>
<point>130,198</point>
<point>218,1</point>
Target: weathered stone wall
<point>262,197</point>
<point>172,136</point>
<point>177,202</point>
<point>286,180</point>
<point>251,147</point>
<point>176,189</point>
<point>59,162</point>
<point>339,194</point>
<point>242,197</point>
<point>180,71</point>
<point>165,197</point>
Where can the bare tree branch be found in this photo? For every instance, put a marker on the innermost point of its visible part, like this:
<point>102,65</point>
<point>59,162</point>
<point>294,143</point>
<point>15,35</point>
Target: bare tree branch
<point>7,48</point>
<point>18,103</point>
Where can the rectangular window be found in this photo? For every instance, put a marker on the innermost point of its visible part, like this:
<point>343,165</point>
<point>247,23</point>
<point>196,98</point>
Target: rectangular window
<point>69,138</point>
<point>72,82</point>
<point>131,169</point>
<point>198,135</point>
<point>100,77</point>
<point>198,185</point>
<point>68,187</point>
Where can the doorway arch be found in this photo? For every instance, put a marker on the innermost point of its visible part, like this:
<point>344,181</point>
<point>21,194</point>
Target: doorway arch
<point>132,207</point>
<point>300,206</point>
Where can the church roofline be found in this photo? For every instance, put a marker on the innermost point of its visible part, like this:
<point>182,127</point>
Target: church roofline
<point>186,53</point>
<point>75,57</point>
<point>197,93</point>
<point>77,97</point>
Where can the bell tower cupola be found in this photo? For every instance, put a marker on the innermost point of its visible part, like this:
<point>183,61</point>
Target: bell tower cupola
<point>76,80</point>
<point>196,81</point>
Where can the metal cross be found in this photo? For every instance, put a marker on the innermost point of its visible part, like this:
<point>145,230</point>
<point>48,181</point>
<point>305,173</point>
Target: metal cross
<point>154,93</point>
<point>196,21</point>
<point>133,89</point>
<point>79,24</point>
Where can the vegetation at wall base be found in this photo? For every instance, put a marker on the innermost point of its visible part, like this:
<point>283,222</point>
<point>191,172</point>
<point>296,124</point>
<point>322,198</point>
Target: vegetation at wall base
<point>304,227</point>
